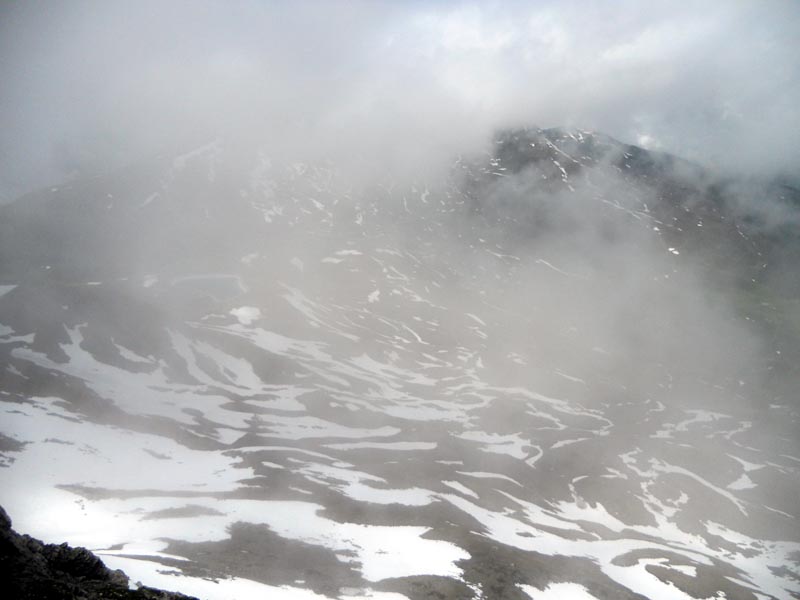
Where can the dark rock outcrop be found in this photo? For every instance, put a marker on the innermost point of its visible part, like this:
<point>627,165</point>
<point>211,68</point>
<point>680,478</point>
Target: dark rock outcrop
<point>32,570</point>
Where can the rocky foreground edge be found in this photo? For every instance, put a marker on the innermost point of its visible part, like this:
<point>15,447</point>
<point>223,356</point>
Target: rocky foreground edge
<point>30,569</point>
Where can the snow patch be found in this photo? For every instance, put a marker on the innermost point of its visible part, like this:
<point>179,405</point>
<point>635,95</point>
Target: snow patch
<point>246,314</point>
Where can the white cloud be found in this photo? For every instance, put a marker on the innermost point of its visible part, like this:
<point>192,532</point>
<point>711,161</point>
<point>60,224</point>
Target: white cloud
<point>94,82</point>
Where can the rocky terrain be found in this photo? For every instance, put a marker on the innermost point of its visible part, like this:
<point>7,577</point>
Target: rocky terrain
<point>32,570</point>
<point>565,368</point>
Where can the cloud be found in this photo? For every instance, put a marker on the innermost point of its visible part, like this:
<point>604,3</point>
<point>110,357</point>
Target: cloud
<point>93,84</point>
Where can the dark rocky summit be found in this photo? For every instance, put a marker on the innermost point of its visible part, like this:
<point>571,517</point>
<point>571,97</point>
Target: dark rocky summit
<point>32,570</point>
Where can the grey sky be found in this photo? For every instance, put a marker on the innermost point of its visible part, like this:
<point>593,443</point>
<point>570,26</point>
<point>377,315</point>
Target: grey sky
<point>91,84</point>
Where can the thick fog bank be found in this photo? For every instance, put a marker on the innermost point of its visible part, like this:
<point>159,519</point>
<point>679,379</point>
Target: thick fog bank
<point>91,85</point>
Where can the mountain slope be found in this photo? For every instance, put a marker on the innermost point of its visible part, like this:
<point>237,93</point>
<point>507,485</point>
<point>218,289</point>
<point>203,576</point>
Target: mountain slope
<point>562,362</point>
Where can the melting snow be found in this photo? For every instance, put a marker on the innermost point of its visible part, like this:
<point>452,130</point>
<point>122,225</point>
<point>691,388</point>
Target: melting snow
<point>4,289</point>
<point>246,314</point>
<point>558,591</point>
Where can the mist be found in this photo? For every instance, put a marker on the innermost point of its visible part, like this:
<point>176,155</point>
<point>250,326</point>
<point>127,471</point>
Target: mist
<point>405,300</point>
<point>90,86</point>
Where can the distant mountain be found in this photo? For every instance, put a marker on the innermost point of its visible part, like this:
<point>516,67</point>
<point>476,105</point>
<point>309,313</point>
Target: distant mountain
<point>567,365</point>
<point>744,223</point>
